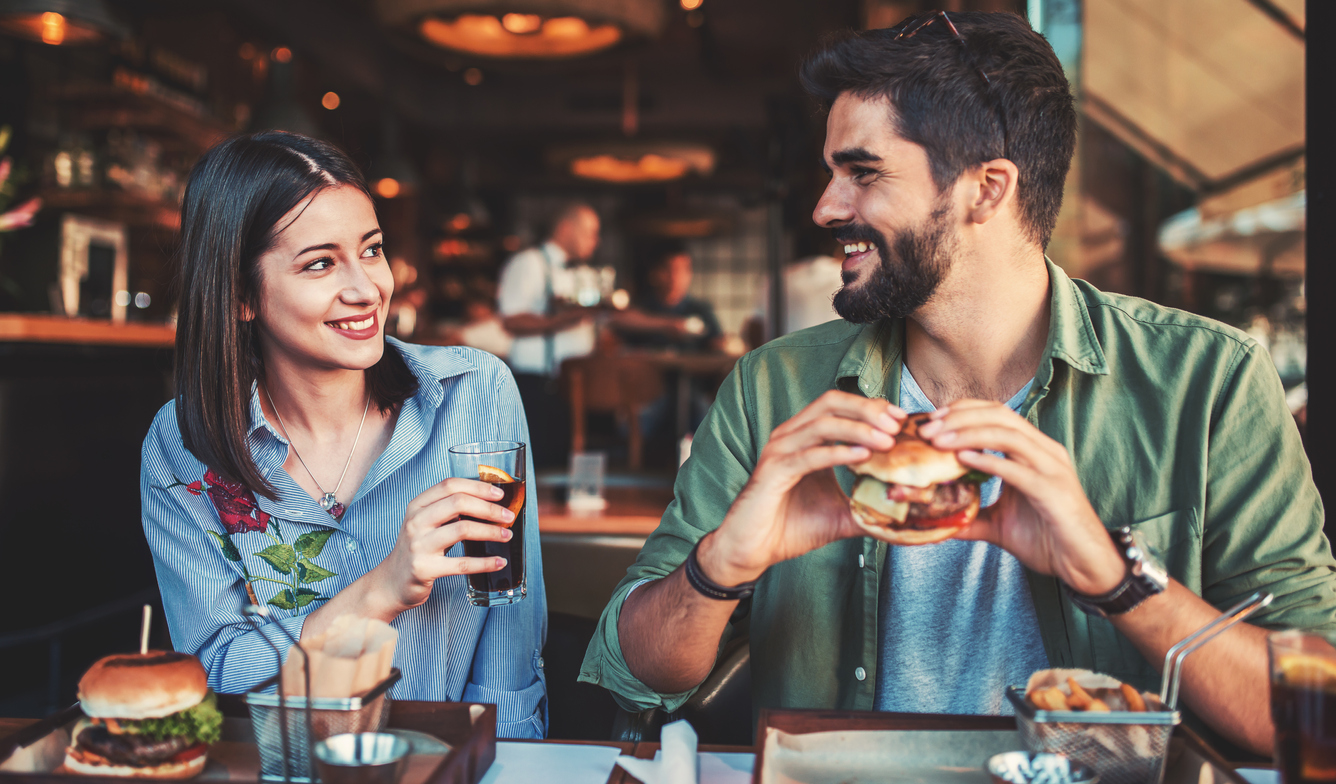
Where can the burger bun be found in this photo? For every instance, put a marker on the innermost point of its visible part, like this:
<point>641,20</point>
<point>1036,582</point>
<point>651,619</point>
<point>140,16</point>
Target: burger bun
<point>913,463</point>
<point>143,685</point>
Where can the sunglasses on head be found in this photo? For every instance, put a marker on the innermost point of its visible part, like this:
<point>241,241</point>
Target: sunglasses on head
<point>918,25</point>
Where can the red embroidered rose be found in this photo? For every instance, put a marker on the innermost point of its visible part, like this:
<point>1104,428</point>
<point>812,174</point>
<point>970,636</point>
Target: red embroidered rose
<point>195,488</point>
<point>235,504</point>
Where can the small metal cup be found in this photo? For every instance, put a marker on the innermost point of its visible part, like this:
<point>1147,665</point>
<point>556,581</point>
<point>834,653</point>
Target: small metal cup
<point>1078,773</point>
<point>361,758</point>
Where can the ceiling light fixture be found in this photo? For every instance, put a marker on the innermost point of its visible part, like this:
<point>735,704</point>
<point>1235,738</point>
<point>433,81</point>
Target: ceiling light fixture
<point>60,22</point>
<point>635,162</point>
<point>524,29</point>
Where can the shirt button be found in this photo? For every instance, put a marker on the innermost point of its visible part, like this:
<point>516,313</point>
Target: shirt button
<point>352,547</point>
<point>860,673</point>
<point>541,663</point>
<point>860,561</point>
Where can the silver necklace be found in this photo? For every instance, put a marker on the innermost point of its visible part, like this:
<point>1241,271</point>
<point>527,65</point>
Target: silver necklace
<point>327,500</point>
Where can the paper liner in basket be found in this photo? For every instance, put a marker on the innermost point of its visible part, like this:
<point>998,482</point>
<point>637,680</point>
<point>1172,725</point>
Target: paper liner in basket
<point>347,660</point>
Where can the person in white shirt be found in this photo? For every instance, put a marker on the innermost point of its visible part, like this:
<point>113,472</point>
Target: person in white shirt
<point>533,285</point>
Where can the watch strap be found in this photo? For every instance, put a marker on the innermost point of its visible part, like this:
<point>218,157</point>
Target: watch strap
<point>709,588</point>
<point>1139,584</point>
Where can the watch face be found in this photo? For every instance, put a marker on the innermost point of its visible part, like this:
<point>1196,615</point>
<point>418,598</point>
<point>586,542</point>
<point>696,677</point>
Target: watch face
<point>1149,565</point>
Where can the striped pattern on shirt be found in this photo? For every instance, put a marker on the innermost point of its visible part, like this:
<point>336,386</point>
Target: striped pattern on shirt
<point>448,649</point>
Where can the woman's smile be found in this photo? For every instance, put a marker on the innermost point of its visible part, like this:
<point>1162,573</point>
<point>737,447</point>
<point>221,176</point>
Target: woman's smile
<point>363,327</point>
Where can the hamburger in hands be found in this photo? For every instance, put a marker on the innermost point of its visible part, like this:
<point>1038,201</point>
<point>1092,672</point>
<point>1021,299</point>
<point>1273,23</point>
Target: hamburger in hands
<point>148,715</point>
<point>915,493</point>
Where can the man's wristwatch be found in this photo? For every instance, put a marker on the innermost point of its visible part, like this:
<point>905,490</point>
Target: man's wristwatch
<point>1146,577</point>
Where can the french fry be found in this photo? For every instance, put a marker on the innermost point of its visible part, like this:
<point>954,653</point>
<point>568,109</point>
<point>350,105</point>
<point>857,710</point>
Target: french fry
<point>1097,705</point>
<point>1135,702</point>
<point>1051,699</point>
<point>1080,699</point>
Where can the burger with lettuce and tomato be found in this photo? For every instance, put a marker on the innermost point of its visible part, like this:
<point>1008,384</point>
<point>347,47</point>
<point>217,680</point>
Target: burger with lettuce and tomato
<point>148,715</point>
<point>914,493</point>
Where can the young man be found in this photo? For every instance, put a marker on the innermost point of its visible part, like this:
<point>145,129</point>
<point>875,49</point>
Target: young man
<point>533,285</point>
<point>948,154</point>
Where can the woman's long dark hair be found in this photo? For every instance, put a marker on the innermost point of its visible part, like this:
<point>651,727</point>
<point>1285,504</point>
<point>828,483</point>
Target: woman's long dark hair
<point>237,194</point>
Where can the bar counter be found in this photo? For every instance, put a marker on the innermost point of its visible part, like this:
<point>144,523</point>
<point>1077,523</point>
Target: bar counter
<point>44,328</point>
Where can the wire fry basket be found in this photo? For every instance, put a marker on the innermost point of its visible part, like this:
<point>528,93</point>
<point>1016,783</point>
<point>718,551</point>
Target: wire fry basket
<point>287,728</point>
<point>1124,747</point>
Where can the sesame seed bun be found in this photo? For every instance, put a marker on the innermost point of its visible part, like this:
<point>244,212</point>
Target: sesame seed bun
<point>143,686</point>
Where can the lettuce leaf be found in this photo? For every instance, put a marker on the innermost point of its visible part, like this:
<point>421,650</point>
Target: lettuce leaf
<point>976,476</point>
<point>201,724</point>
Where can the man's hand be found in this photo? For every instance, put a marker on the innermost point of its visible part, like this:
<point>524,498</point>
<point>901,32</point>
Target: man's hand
<point>792,503</point>
<point>1043,517</point>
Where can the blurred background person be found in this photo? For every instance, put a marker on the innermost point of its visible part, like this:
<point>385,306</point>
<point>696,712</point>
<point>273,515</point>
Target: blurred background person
<point>535,296</point>
<point>483,328</point>
<point>665,316</point>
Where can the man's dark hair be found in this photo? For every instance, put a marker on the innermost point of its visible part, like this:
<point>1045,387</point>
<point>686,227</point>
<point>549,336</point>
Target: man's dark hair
<point>232,213</point>
<point>941,103</point>
<point>665,251</point>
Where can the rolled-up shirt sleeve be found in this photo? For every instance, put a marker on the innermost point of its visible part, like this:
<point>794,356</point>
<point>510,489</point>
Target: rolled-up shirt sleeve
<point>202,591</point>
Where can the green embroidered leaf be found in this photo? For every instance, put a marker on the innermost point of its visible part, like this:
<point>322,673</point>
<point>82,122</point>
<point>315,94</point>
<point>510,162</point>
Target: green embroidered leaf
<point>305,596</point>
<point>284,600</point>
<point>311,544</point>
<point>308,572</point>
<point>225,544</point>
<point>274,524</point>
<point>279,556</point>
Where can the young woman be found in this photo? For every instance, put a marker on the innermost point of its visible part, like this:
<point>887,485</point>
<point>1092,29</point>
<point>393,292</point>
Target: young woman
<point>288,392</point>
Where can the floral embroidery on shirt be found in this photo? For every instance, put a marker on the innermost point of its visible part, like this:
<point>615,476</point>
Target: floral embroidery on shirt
<point>240,513</point>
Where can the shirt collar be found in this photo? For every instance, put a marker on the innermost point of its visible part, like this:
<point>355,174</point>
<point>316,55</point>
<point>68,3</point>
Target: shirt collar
<point>446,363</point>
<point>554,253</point>
<point>872,362</point>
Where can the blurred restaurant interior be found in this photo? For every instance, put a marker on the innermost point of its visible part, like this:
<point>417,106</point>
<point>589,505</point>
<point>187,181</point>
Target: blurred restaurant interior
<point>477,121</point>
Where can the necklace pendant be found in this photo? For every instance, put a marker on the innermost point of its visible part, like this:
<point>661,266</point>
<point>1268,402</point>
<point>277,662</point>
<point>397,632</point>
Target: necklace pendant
<point>328,501</point>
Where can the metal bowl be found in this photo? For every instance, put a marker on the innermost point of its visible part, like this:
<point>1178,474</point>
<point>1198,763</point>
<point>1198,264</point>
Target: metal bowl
<point>1024,767</point>
<point>361,758</point>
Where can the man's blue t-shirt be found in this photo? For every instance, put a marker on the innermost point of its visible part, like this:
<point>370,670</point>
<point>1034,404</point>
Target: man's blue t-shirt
<point>957,622</point>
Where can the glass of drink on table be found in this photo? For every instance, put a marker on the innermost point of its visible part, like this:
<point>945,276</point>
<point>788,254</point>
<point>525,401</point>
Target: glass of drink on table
<point>1303,706</point>
<point>501,463</point>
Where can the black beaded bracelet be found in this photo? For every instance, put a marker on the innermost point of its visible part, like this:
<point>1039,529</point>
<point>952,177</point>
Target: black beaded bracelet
<point>709,588</point>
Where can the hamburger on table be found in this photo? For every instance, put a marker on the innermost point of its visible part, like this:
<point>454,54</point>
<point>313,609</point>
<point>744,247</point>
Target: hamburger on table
<point>148,715</point>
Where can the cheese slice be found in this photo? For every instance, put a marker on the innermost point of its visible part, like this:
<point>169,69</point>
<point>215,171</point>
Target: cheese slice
<point>872,493</point>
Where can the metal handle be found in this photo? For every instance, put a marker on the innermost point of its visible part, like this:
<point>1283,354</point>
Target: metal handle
<point>1173,659</point>
<point>251,612</point>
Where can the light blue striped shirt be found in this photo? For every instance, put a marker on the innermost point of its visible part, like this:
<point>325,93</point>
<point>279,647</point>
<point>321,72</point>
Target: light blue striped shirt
<point>294,554</point>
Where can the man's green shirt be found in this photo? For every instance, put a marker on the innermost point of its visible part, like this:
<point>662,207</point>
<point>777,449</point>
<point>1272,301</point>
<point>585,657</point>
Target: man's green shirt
<point>1177,426</point>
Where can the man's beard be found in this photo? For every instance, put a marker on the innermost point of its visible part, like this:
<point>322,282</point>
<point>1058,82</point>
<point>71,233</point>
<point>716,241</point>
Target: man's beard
<point>908,272</point>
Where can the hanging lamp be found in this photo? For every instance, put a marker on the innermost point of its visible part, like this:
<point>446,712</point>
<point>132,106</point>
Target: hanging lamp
<point>524,29</point>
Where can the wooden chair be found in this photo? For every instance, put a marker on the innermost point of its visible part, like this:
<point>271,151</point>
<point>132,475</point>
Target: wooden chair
<point>621,385</point>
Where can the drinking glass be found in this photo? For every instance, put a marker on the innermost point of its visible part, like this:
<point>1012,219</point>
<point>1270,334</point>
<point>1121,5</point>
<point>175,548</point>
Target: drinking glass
<point>501,463</point>
<point>1303,706</point>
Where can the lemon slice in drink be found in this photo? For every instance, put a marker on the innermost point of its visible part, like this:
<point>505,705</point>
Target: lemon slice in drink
<point>1310,671</point>
<point>494,475</point>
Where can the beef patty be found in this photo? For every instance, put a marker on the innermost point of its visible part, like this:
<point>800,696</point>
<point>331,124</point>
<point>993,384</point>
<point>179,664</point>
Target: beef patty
<point>135,750</point>
<point>947,499</point>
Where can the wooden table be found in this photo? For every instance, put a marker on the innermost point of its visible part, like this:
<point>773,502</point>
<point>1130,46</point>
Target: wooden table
<point>618,776</point>
<point>631,512</point>
<point>684,366</point>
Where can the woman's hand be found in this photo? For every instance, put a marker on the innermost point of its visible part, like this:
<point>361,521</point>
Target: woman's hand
<point>431,527</point>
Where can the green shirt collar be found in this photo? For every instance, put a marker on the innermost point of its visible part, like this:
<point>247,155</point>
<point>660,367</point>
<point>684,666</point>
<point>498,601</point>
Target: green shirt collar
<point>872,363</point>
